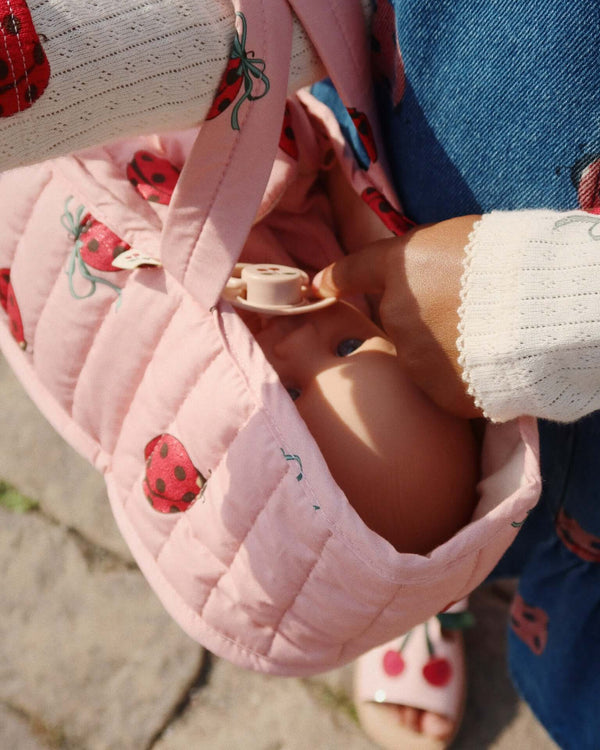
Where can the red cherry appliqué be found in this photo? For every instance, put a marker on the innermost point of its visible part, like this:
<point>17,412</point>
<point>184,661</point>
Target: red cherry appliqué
<point>437,671</point>
<point>393,663</point>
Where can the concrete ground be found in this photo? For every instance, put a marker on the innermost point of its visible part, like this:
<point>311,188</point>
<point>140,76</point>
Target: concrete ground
<point>89,659</point>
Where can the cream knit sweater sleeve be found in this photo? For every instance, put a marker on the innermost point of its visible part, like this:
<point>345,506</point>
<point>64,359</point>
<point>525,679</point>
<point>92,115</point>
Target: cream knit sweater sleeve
<point>128,67</point>
<point>530,316</point>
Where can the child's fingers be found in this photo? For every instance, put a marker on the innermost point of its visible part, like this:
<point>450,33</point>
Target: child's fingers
<point>364,271</point>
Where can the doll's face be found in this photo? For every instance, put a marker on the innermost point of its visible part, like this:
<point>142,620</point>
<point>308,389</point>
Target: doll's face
<point>406,467</point>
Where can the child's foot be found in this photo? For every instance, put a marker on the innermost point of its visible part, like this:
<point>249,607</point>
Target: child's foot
<point>411,691</point>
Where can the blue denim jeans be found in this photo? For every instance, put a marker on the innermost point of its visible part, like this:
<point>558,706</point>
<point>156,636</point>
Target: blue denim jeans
<point>554,633</point>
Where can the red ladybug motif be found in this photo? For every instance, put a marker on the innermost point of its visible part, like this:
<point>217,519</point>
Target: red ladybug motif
<point>172,482</point>
<point>153,177</point>
<point>14,315</point>
<point>365,133</point>
<point>99,245</point>
<point>576,539</point>
<point>287,141</point>
<point>392,219</point>
<point>94,244</point>
<point>530,624</point>
<point>242,67</point>
<point>4,283</point>
<point>24,68</point>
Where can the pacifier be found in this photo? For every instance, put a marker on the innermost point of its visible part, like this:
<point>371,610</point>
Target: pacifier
<point>272,289</point>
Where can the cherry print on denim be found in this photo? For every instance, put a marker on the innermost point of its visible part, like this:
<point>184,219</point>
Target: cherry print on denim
<point>530,624</point>
<point>242,67</point>
<point>172,482</point>
<point>9,303</point>
<point>392,219</point>
<point>576,538</point>
<point>24,67</point>
<point>585,176</point>
<point>154,177</point>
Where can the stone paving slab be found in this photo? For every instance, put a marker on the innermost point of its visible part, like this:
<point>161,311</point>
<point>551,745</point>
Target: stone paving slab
<point>239,710</point>
<point>90,660</point>
<point>87,650</point>
<point>16,732</point>
<point>42,466</point>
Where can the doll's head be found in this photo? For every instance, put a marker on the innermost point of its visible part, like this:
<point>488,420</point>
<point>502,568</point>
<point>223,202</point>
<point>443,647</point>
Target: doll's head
<point>408,468</point>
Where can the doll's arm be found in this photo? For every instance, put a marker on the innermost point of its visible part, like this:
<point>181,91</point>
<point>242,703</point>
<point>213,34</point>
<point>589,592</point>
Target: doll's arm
<point>124,68</point>
<point>529,318</point>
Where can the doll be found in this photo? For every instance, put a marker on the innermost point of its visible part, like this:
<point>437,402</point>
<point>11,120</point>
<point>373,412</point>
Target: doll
<point>408,468</point>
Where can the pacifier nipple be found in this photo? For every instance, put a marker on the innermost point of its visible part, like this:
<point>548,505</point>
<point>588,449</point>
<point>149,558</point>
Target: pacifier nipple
<point>272,289</point>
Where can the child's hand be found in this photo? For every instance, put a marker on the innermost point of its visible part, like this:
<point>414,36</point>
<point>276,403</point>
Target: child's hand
<point>418,276</point>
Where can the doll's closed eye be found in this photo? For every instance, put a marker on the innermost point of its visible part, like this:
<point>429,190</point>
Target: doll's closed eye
<point>347,346</point>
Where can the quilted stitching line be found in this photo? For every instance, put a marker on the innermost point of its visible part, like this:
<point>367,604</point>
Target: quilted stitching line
<point>241,543</point>
<point>229,350</point>
<point>233,355</point>
<point>91,346</point>
<point>372,621</point>
<point>203,367</point>
<point>33,202</point>
<point>300,589</point>
<point>142,373</point>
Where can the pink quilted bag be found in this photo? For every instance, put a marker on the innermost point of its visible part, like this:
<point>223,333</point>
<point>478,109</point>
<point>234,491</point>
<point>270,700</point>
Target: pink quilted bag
<point>156,380</point>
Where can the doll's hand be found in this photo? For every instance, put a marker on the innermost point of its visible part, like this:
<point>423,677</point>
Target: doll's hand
<point>418,276</point>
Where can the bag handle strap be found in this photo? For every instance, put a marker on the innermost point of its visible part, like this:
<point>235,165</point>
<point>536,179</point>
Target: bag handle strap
<point>225,176</point>
<point>222,183</point>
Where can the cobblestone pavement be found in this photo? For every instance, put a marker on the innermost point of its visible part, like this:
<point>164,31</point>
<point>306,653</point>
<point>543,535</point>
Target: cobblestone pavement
<point>89,659</point>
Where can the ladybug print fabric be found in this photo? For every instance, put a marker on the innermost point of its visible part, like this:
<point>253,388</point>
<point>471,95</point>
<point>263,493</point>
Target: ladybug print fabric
<point>94,246</point>
<point>287,142</point>
<point>24,67</point>
<point>153,177</point>
<point>244,68</point>
<point>9,304</point>
<point>4,283</point>
<point>365,133</point>
<point>393,220</point>
<point>172,482</point>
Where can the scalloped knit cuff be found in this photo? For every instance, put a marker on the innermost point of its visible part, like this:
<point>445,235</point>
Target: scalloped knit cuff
<point>530,315</point>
